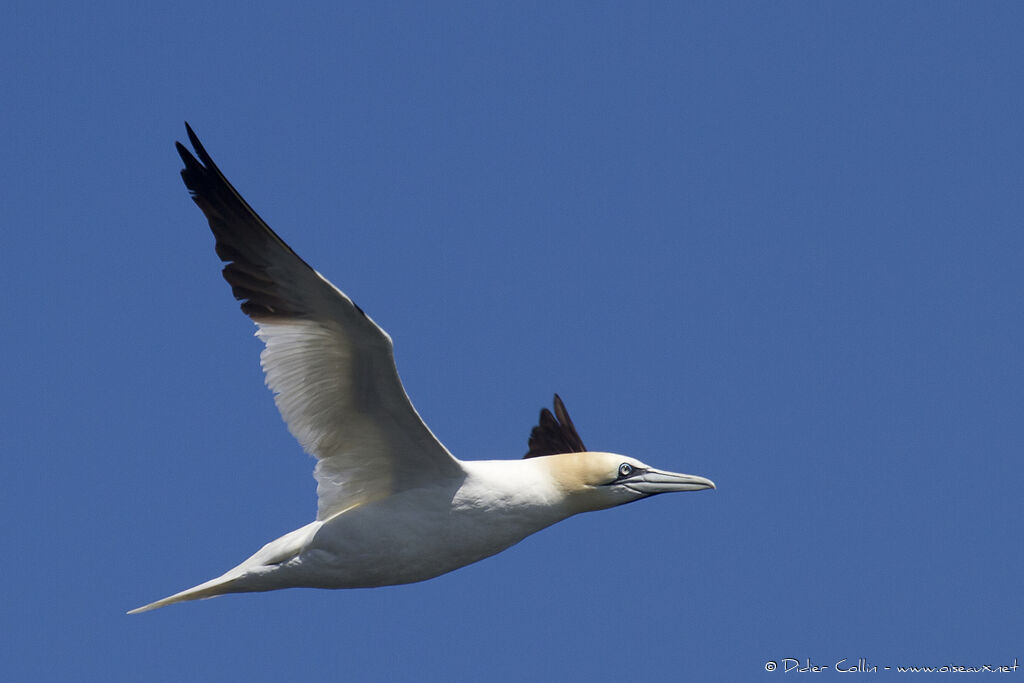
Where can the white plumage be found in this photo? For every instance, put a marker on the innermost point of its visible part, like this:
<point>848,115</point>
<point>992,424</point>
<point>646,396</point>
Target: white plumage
<point>394,506</point>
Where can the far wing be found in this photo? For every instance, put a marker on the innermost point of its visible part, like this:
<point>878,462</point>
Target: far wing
<point>331,368</point>
<point>554,434</point>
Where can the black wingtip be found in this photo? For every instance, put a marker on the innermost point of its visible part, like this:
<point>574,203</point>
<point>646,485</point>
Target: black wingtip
<point>242,237</point>
<point>194,139</point>
<point>186,156</point>
<point>201,152</point>
<point>554,433</point>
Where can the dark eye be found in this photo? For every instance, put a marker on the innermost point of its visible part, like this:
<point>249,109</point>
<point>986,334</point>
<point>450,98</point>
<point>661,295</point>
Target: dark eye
<point>625,469</point>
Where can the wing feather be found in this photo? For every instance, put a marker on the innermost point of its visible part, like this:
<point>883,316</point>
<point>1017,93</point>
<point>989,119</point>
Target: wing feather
<point>330,367</point>
<point>554,434</point>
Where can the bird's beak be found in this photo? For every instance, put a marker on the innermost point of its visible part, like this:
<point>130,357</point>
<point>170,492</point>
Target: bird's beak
<point>651,481</point>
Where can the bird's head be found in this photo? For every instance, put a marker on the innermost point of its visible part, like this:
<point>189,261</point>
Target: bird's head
<point>594,481</point>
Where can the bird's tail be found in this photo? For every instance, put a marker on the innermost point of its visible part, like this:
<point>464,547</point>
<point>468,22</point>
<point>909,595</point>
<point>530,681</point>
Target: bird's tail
<point>209,589</point>
<point>247,576</point>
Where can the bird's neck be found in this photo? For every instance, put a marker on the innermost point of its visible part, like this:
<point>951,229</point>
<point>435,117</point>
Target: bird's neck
<point>514,487</point>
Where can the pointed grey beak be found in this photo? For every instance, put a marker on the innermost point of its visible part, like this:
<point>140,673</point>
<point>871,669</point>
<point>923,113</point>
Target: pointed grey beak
<point>651,482</point>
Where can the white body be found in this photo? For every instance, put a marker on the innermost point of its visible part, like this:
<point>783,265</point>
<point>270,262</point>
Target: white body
<point>394,506</point>
<point>417,534</point>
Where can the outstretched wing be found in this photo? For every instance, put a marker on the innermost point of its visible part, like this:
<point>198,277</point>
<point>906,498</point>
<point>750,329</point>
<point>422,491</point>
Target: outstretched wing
<point>331,368</point>
<point>554,433</point>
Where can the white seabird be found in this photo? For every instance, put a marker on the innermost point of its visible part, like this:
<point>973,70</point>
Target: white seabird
<point>394,506</point>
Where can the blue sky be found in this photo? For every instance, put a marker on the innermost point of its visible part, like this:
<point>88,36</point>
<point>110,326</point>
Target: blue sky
<point>775,244</point>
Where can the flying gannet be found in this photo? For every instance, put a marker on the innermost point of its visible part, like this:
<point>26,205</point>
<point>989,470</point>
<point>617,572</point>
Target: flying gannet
<point>394,506</point>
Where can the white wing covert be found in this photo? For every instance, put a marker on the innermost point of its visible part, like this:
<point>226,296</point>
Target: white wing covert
<point>331,368</point>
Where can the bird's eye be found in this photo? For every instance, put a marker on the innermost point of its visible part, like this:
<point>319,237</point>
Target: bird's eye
<point>625,469</point>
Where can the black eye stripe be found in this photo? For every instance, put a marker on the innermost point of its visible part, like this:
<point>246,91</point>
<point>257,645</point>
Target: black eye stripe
<point>633,471</point>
